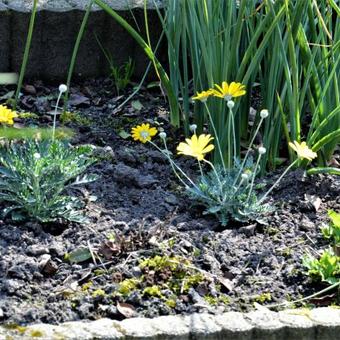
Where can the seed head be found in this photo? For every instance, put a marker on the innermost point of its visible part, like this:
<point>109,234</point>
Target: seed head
<point>62,88</point>
<point>262,150</point>
<point>230,104</point>
<point>162,135</point>
<point>264,113</point>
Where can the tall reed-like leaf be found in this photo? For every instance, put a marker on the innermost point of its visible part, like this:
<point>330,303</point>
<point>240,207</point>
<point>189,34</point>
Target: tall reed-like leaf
<point>26,51</point>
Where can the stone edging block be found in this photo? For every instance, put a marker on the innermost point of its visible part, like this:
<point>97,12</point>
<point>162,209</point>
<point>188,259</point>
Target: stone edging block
<point>302,324</point>
<point>68,5</point>
<point>56,28</point>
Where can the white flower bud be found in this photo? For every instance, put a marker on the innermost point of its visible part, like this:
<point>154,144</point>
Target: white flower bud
<point>264,113</point>
<point>262,150</point>
<point>245,177</point>
<point>37,155</point>
<point>162,135</point>
<point>230,104</point>
<point>62,88</point>
<point>193,127</point>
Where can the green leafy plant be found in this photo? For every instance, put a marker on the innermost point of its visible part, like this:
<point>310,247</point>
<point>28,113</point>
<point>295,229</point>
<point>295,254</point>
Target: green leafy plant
<point>288,51</point>
<point>228,199</point>
<point>74,117</point>
<point>227,192</point>
<point>332,231</point>
<point>26,51</point>
<point>121,74</point>
<point>35,176</point>
<point>326,268</point>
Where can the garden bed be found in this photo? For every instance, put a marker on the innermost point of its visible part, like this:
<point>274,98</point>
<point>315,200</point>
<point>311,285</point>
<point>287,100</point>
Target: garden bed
<point>146,251</point>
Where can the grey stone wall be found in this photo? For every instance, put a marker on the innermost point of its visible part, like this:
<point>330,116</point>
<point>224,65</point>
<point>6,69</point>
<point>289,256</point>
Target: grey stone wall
<point>56,28</point>
<point>295,324</point>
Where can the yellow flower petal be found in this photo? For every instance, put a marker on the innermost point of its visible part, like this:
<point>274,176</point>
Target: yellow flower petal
<point>196,146</point>
<point>302,150</point>
<point>229,91</point>
<point>202,96</point>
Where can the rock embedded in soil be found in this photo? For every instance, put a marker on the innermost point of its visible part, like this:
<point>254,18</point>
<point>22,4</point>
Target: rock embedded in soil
<point>131,177</point>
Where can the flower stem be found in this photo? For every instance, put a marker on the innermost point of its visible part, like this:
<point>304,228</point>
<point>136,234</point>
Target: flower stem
<point>216,136</point>
<point>215,172</point>
<point>174,166</point>
<point>248,151</point>
<point>234,133</point>
<point>253,176</point>
<point>201,170</point>
<point>277,181</point>
<point>55,115</point>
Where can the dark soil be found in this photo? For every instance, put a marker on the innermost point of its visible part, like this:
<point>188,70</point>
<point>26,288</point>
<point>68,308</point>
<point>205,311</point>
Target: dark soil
<point>137,211</point>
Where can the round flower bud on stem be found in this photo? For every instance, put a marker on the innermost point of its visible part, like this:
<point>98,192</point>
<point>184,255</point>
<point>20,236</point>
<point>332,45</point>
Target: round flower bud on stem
<point>264,113</point>
<point>162,135</point>
<point>262,150</point>
<point>244,177</point>
<point>62,88</point>
<point>230,104</point>
<point>193,128</point>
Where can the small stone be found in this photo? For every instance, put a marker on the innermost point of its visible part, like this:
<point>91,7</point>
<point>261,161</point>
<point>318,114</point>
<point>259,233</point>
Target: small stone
<point>57,249</point>
<point>12,285</point>
<point>44,260</point>
<point>85,310</point>
<point>306,225</point>
<point>171,199</point>
<point>136,272</point>
<point>37,250</point>
<point>146,181</point>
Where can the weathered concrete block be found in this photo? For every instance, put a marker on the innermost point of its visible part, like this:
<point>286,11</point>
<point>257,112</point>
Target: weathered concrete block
<point>19,28</point>
<point>4,38</point>
<point>298,325</point>
<point>327,321</point>
<point>55,32</point>
<point>234,326</point>
<point>266,325</point>
<point>320,323</point>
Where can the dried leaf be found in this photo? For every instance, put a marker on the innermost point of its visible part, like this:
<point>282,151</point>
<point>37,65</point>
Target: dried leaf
<point>125,309</point>
<point>226,283</point>
<point>77,99</point>
<point>30,89</point>
<point>8,95</point>
<point>110,248</point>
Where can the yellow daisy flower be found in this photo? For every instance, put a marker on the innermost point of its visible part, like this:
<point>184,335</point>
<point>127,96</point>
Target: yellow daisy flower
<point>7,115</point>
<point>302,150</point>
<point>196,146</point>
<point>203,96</point>
<point>143,133</point>
<point>227,91</point>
